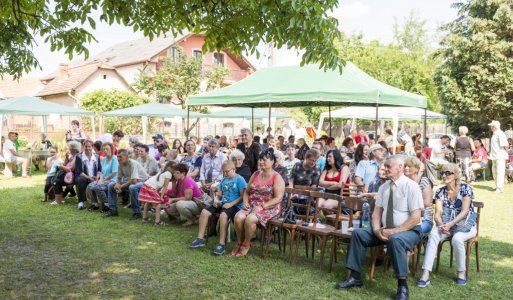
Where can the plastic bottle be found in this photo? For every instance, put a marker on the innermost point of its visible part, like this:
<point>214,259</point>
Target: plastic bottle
<point>365,214</point>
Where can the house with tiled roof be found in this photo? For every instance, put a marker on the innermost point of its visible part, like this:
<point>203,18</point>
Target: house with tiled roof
<point>24,86</point>
<point>144,54</point>
<point>73,82</point>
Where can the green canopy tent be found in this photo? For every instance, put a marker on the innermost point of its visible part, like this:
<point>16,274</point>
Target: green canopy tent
<point>309,86</point>
<point>153,109</point>
<point>246,112</point>
<point>32,106</point>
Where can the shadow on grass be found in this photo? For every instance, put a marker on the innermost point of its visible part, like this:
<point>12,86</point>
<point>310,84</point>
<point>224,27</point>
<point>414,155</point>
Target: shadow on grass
<point>59,252</point>
<point>484,187</point>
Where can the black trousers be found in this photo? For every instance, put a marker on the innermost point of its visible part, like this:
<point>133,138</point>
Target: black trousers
<point>81,183</point>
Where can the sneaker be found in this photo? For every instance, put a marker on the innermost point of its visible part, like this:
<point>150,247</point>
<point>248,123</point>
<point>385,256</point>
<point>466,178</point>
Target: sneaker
<point>461,281</point>
<point>127,206</point>
<point>219,250</point>
<point>135,216</point>
<point>111,213</point>
<point>163,212</point>
<point>422,283</point>
<point>152,210</point>
<point>197,243</point>
<point>498,191</point>
<point>80,205</point>
<point>54,203</point>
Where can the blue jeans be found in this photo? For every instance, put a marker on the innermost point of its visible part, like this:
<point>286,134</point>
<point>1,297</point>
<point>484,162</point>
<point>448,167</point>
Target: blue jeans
<point>397,245</point>
<point>133,190</point>
<point>426,226</point>
<point>112,197</point>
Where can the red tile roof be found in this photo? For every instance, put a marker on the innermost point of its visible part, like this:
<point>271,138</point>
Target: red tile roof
<point>25,86</point>
<point>74,77</point>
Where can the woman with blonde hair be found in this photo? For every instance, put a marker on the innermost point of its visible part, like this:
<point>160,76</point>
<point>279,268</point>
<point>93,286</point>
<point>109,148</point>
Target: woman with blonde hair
<point>454,216</point>
<point>412,167</point>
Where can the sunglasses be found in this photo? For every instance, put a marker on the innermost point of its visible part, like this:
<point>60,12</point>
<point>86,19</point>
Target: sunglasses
<point>447,173</point>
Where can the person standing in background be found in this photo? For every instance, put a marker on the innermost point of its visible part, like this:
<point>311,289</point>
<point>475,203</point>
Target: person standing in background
<point>347,128</point>
<point>498,155</point>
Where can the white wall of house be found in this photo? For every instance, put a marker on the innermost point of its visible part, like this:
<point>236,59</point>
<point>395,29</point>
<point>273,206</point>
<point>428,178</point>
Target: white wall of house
<point>130,72</point>
<point>101,79</point>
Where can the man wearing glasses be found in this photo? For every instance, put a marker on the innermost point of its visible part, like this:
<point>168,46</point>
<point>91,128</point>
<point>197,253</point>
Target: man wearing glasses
<point>210,172</point>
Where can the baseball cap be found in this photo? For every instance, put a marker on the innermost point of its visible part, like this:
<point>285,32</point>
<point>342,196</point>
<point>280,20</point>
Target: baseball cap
<point>375,147</point>
<point>158,136</point>
<point>495,123</point>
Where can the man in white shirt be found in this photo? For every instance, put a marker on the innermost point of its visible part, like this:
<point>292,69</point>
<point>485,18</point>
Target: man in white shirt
<point>12,157</point>
<point>442,152</point>
<point>398,228</point>
<point>498,155</point>
<point>299,131</point>
<point>211,168</point>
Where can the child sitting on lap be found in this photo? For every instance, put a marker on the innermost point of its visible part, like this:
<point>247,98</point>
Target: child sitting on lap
<point>153,192</point>
<point>230,191</point>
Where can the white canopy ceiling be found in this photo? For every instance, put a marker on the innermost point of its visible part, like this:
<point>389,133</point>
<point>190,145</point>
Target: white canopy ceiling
<point>384,112</point>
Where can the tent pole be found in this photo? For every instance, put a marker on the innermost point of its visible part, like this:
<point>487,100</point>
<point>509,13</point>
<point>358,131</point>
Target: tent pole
<point>425,126</point>
<point>253,120</point>
<point>329,110</point>
<point>377,120</point>
<point>1,128</point>
<point>269,132</point>
<point>445,123</point>
<point>187,129</point>
<point>45,125</point>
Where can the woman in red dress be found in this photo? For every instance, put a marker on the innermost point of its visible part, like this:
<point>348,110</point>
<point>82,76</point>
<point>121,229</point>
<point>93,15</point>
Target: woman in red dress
<point>261,201</point>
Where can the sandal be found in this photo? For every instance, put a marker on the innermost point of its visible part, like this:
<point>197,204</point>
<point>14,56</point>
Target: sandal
<point>160,223</point>
<point>236,249</point>
<point>243,247</point>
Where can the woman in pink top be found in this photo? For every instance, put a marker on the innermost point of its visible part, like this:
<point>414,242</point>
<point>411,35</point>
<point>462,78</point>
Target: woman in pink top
<point>181,200</point>
<point>480,157</point>
<point>261,201</point>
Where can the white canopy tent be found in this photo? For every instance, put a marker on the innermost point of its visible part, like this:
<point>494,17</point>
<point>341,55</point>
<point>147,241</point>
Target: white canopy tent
<point>394,113</point>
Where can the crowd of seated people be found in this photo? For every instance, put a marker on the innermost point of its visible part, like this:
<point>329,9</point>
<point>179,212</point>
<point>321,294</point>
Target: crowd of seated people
<point>240,181</point>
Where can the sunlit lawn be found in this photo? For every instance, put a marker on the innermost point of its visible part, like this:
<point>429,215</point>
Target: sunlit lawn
<point>59,252</point>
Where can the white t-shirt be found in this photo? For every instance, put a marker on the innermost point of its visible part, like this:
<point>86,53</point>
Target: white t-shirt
<point>152,181</point>
<point>8,146</point>
<point>290,164</point>
<point>54,166</point>
<point>299,133</point>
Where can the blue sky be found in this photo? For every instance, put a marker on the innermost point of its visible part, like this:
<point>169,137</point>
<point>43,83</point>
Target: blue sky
<point>373,18</point>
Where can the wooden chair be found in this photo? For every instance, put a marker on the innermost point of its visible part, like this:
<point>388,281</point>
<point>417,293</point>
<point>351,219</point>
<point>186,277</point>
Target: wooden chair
<point>287,228</point>
<point>351,190</point>
<point>321,231</point>
<point>339,237</point>
<point>469,243</point>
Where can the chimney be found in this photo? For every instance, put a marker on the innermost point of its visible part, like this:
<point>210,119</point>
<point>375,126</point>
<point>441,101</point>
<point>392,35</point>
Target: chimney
<point>63,70</point>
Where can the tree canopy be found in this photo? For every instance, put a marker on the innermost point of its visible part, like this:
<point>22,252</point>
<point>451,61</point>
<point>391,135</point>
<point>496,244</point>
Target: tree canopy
<point>475,76</point>
<point>239,25</point>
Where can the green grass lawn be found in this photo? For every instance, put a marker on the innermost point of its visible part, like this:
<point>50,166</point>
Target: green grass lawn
<point>51,252</point>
